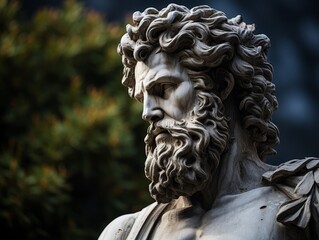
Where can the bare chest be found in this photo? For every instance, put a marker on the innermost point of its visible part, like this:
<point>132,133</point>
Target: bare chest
<point>229,219</point>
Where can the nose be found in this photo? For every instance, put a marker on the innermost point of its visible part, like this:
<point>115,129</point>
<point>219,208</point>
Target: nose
<point>151,109</point>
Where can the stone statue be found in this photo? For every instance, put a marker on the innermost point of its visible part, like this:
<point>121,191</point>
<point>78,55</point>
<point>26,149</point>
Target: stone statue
<point>207,92</point>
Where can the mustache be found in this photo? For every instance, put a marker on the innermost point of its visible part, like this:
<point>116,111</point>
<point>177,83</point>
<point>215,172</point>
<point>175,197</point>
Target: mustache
<point>163,126</point>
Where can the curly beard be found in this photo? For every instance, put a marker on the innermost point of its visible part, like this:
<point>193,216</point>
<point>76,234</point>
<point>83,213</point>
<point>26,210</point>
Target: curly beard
<point>182,155</point>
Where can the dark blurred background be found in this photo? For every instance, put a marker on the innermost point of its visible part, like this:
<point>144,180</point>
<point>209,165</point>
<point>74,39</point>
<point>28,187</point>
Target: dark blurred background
<point>70,160</point>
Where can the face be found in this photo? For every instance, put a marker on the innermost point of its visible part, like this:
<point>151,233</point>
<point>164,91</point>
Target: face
<point>164,88</point>
<point>184,139</point>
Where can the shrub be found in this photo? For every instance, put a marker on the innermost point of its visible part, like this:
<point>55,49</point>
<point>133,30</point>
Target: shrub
<point>71,148</point>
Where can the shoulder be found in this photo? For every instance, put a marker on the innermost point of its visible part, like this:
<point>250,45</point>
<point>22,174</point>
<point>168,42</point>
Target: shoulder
<point>298,179</point>
<point>128,226</point>
<point>119,228</point>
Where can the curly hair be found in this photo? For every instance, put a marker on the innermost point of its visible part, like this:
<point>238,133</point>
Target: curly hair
<point>209,44</point>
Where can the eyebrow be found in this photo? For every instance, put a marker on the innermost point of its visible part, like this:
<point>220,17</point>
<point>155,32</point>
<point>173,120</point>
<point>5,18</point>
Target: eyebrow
<point>167,79</point>
<point>138,95</point>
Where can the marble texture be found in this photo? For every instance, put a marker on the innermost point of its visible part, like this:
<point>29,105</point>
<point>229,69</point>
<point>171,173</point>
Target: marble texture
<point>207,93</point>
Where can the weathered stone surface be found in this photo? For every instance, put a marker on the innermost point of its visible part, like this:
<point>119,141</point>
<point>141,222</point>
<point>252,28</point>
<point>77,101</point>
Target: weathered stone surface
<point>207,92</point>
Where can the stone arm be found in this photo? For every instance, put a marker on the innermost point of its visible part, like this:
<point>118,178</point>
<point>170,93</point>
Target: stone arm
<point>299,180</point>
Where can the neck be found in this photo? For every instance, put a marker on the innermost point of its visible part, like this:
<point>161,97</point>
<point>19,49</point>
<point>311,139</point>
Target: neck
<point>240,168</point>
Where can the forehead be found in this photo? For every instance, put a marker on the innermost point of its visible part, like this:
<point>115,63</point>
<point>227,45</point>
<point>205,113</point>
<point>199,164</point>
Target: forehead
<point>158,63</point>
<point>157,66</point>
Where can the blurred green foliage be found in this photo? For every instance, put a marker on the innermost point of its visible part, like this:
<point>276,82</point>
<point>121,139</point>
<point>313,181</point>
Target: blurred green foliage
<point>71,148</point>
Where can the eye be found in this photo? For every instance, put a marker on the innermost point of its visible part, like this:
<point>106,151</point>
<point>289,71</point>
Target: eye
<point>163,90</point>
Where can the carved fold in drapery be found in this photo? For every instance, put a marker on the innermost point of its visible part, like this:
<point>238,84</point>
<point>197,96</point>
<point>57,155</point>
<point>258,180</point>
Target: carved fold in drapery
<point>299,180</point>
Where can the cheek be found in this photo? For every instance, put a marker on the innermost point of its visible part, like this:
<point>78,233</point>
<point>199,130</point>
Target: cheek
<point>184,95</point>
<point>180,101</point>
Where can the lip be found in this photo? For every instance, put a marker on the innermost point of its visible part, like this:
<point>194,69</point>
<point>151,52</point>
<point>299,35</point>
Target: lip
<point>151,137</point>
<point>158,131</point>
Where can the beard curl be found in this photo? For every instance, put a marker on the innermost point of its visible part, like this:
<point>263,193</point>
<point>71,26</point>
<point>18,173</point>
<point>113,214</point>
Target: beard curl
<point>182,155</point>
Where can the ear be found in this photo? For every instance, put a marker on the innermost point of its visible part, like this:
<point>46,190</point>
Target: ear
<point>226,83</point>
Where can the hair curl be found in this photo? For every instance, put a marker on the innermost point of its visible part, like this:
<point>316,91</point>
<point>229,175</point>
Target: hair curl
<point>206,42</point>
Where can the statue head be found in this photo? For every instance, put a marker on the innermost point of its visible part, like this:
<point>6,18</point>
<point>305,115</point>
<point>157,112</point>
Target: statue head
<point>183,65</point>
